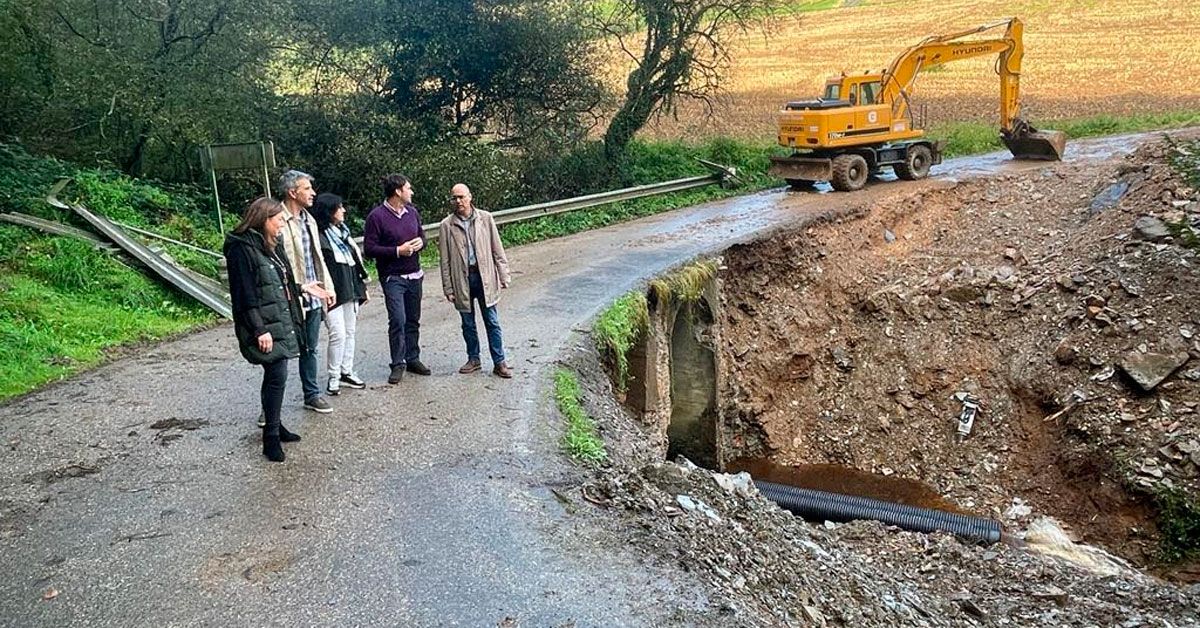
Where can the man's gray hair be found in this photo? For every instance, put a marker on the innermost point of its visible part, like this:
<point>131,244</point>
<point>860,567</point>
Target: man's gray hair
<point>289,180</point>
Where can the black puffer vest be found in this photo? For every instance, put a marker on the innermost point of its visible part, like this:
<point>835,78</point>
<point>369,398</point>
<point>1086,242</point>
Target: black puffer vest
<point>278,306</point>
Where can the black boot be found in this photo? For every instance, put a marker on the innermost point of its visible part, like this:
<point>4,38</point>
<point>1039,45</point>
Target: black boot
<point>271,447</point>
<point>287,436</point>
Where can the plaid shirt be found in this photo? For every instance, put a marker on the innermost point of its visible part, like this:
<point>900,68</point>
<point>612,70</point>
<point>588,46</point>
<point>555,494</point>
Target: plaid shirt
<point>310,269</point>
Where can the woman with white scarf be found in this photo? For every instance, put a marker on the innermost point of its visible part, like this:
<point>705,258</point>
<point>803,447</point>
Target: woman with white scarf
<point>345,263</point>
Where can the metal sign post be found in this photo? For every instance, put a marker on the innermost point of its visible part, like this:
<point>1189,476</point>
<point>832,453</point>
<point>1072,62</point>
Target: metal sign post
<point>246,156</point>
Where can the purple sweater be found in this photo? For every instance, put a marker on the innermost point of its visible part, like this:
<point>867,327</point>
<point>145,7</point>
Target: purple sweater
<point>383,232</point>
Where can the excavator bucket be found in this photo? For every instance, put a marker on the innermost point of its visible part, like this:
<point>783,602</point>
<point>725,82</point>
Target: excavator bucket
<point>1026,142</point>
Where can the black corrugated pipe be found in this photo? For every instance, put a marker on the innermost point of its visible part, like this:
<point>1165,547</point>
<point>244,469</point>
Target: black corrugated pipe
<point>825,506</point>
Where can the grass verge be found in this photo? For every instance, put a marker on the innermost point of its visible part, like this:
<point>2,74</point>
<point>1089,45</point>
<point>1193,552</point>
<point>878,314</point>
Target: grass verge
<point>581,440</point>
<point>48,334</point>
<point>617,328</point>
<point>969,138</point>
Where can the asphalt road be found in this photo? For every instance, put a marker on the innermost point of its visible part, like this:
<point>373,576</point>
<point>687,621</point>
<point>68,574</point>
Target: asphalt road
<point>427,503</point>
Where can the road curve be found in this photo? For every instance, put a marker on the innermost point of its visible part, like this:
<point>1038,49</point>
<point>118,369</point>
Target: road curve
<point>427,503</point>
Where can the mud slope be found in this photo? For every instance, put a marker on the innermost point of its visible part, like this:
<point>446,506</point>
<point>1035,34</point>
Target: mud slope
<point>1033,292</point>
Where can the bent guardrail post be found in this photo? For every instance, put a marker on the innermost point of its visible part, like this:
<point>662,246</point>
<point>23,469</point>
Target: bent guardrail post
<point>164,269</point>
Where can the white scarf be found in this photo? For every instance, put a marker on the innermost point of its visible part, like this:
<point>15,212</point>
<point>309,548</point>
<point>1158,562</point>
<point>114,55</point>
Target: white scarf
<point>339,237</point>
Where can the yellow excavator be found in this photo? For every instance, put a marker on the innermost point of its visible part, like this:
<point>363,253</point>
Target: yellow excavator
<point>863,123</point>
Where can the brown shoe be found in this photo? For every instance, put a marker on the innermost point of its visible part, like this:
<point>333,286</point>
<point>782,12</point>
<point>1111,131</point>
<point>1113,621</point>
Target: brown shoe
<point>502,370</point>
<point>471,366</point>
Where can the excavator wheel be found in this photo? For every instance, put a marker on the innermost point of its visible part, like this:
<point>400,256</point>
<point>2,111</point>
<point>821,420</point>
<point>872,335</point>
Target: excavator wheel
<point>916,163</point>
<point>849,172</point>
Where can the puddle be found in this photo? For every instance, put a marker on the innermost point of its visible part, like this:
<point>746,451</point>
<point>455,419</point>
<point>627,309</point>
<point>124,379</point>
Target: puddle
<point>838,479</point>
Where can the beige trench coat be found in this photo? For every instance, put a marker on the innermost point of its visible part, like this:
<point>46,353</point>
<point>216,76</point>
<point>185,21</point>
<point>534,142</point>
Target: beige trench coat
<point>293,247</point>
<point>489,254</point>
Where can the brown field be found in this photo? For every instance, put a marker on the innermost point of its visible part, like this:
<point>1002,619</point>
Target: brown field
<point>1082,58</point>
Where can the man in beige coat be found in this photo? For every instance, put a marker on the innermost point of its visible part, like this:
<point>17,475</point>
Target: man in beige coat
<point>474,269</point>
<point>302,247</point>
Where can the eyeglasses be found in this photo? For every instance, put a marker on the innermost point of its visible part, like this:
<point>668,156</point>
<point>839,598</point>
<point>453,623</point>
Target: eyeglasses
<point>455,197</point>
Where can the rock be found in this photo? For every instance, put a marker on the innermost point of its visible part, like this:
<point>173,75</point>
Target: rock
<point>888,236</point>
<point>1019,509</point>
<point>738,484</point>
<point>1065,353</point>
<point>971,608</point>
<point>842,359</point>
<point>1150,229</point>
<point>692,504</point>
<point>1064,282</point>
<point>799,367</point>
<point>1106,318</point>
<point>814,616</point>
<point>1130,288</point>
<point>1109,197</point>
<point>1149,369</point>
<point>1051,592</point>
<point>962,294</point>
<point>1095,300</point>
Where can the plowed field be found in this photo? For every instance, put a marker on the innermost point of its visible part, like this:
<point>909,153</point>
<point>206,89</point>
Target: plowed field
<point>1083,58</point>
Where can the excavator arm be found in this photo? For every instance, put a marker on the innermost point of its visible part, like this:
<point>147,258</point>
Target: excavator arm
<point>1022,139</point>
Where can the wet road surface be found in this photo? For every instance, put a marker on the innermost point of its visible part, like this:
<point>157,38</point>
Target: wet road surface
<point>138,493</point>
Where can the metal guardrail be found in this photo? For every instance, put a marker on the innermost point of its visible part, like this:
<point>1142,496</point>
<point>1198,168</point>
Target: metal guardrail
<point>55,228</point>
<point>203,290</point>
<point>721,174</point>
<point>168,271</point>
<point>158,236</point>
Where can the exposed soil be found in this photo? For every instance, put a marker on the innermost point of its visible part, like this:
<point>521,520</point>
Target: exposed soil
<point>848,342</point>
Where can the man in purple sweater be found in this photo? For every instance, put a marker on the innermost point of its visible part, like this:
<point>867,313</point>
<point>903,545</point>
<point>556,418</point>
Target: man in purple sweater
<point>393,236</point>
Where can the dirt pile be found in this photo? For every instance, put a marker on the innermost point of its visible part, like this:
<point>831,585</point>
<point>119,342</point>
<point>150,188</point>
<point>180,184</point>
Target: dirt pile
<point>1065,300</point>
<point>767,568</point>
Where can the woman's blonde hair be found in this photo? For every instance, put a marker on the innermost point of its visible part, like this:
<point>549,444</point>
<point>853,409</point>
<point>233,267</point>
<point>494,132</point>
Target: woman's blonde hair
<point>256,215</point>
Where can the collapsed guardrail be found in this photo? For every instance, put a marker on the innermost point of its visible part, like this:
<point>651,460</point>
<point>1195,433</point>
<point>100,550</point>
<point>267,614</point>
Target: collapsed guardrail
<point>211,294</point>
<point>176,276</point>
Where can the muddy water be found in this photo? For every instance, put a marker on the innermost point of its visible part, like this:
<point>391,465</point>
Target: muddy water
<point>837,479</point>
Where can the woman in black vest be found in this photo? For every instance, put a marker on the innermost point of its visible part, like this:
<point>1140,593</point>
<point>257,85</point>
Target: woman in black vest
<point>266,309</point>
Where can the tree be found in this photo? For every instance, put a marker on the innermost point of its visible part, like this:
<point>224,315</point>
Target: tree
<point>121,80</point>
<point>500,70</point>
<point>682,52</point>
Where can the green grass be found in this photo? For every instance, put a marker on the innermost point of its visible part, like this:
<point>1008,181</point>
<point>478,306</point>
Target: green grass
<point>581,440</point>
<point>48,333</point>
<point>969,138</point>
<point>1179,523</point>
<point>1185,159</point>
<point>654,162</point>
<point>617,328</point>
<point>684,284</point>
<point>808,6</point>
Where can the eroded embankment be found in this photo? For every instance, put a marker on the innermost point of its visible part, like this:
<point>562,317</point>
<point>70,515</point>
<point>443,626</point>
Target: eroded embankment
<point>1034,293</point>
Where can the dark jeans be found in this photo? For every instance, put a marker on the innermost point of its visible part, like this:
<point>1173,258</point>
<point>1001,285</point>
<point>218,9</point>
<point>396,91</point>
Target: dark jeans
<point>491,323</point>
<point>273,384</point>
<point>308,354</point>
<point>403,300</point>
